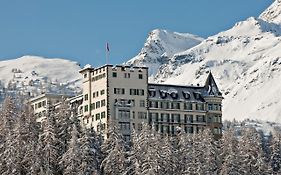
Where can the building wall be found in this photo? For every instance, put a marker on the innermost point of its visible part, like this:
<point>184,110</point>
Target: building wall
<point>40,104</point>
<point>121,95</point>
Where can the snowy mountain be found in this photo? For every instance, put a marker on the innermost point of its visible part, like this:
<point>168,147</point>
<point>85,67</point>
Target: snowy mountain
<point>160,46</point>
<point>273,13</point>
<point>246,62</point>
<point>32,75</point>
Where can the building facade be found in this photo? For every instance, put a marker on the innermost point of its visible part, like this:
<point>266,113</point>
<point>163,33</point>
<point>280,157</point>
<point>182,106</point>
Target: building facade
<point>41,103</point>
<point>122,94</point>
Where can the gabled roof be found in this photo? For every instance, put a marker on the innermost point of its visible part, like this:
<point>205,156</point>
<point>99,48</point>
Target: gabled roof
<point>211,86</point>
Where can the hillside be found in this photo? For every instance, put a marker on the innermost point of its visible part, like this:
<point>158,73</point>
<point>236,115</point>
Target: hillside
<point>246,62</point>
<point>32,75</point>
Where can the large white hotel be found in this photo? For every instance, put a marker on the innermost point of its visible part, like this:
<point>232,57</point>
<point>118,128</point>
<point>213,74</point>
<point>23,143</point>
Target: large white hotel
<point>122,94</point>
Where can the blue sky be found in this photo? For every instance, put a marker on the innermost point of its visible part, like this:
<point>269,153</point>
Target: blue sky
<point>78,30</point>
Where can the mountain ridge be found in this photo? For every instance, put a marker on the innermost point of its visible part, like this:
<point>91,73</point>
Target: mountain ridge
<point>245,61</point>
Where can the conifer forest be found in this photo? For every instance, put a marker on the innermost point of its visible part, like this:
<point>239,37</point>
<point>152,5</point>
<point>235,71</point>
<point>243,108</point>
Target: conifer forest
<point>61,146</point>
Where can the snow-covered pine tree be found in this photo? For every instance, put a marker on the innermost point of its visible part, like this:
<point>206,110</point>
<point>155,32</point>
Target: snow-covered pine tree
<point>8,117</point>
<point>229,154</point>
<point>168,158</point>
<point>31,159</point>
<point>90,153</point>
<point>48,146</point>
<point>275,147</point>
<point>71,159</point>
<point>64,124</point>
<point>208,145</point>
<point>252,156</point>
<point>114,151</point>
<point>184,152</point>
<point>152,157</point>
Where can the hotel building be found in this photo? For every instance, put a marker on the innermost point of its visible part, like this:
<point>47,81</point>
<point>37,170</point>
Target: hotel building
<point>122,94</point>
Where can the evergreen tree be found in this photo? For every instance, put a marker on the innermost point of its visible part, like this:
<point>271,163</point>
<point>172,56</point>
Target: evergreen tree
<point>90,153</point>
<point>114,152</point>
<point>251,152</point>
<point>64,125</point>
<point>49,148</point>
<point>230,155</point>
<point>72,159</point>
<point>8,119</point>
<point>275,147</point>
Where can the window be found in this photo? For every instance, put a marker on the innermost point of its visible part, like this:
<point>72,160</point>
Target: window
<point>137,92</point>
<point>188,129</point>
<point>141,92</point>
<point>153,104</point>
<point>102,103</point>
<point>102,92</point>
<point>86,97</point>
<point>133,114</point>
<point>86,108</point>
<point>127,75</point>
<point>124,114</point>
<point>119,91</point>
<point>132,91</point>
<point>175,105</point>
<point>161,128</point>
<point>139,126</point>
<point>142,115</point>
<point>94,94</point>
<point>124,125</point>
<point>142,103</point>
<point>36,106</point>
<point>114,74</point>
<point>44,103</point>
<point>85,75</point>
<point>140,76</point>
<point>153,117</point>
<point>210,107</point>
<point>152,92</point>
<point>175,118</point>
<point>97,93</point>
<point>216,107</point>
<point>98,116</point>
<point>165,105</point>
<point>97,104</point>
<point>165,117</point>
<point>200,106</point>
<point>200,118</point>
<point>188,106</point>
<point>92,106</point>
<point>39,105</point>
<point>188,118</point>
<point>103,115</point>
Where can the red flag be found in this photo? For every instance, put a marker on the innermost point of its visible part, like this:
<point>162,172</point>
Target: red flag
<point>107,47</point>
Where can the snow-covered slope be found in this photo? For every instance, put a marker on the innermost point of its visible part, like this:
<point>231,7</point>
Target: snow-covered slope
<point>160,46</point>
<point>272,13</point>
<point>33,75</point>
<point>246,62</point>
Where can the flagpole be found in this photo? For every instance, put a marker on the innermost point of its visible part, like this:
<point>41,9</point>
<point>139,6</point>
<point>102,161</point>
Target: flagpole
<point>106,52</point>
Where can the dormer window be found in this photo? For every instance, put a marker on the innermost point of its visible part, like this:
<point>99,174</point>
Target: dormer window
<point>174,95</point>
<point>152,92</point>
<point>163,94</point>
<point>197,95</point>
<point>186,95</point>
